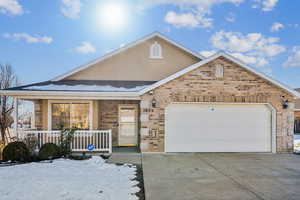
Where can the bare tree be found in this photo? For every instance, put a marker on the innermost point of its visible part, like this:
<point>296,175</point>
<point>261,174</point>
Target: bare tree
<point>7,79</point>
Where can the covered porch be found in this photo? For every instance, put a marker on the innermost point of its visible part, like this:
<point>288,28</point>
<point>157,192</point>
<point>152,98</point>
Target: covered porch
<point>101,125</point>
<point>103,119</point>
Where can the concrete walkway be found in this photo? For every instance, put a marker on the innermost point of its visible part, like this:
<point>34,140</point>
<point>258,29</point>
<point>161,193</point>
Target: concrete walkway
<point>132,158</point>
<point>221,176</point>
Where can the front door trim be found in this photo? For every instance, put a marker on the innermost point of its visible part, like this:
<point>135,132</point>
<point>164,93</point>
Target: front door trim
<point>135,107</point>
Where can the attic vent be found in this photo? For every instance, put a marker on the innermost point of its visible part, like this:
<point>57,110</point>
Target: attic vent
<point>219,70</point>
<point>155,51</point>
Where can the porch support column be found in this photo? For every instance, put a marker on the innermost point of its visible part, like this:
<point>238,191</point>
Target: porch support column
<point>16,113</point>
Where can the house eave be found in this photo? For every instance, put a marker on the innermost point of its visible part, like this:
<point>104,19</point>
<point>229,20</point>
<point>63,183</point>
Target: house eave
<point>69,95</point>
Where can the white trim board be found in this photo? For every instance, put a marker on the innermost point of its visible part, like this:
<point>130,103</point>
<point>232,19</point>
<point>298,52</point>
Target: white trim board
<point>213,57</point>
<point>58,94</point>
<point>130,45</point>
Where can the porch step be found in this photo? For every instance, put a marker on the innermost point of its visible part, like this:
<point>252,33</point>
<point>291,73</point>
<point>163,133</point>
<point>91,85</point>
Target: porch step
<point>125,150</point>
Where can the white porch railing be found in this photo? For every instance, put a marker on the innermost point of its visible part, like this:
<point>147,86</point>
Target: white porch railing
<point>100,139</point>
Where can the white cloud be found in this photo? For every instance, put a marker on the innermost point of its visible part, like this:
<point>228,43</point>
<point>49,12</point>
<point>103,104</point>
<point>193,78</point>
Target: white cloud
<point>71,8</point>
<point>85,48</point>
<point>12,7</point>
<point>294,59</point>
<point>208,53</point>
<point>265,5</point>
<point>252,48</point>
<point>252,60</point>
<point>254,43</point>
<point>29,38</point>
<point>194,13</point>
<point>245,58</point>
<point>230,17</point>
<point>187,20</point>
<point>276,26</point>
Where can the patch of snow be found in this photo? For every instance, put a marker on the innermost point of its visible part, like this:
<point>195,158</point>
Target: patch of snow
<point>69,180</point>
<point>103,88</point>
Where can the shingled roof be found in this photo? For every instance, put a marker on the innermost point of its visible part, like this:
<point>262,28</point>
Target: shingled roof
<point>86,85</point>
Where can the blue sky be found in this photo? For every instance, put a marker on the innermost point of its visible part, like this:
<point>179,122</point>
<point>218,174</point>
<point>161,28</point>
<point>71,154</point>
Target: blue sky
<point>43,39</point>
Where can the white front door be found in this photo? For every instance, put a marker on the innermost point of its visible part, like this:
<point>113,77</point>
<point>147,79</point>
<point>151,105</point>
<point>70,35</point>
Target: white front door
<point>196,127</point>
<point>128,125</point>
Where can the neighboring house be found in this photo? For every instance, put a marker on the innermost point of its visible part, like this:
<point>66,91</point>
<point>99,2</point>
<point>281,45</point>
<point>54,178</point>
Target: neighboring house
<point>162,97</point>
<point>297,115</point>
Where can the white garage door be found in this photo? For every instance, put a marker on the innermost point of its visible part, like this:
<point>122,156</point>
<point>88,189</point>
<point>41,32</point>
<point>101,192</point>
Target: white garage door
<point>218,128</point>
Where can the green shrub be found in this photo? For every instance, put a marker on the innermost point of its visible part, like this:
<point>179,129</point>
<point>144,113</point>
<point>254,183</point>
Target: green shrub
<point>31,142</point>
<point>49,151</point>
<point>16,151</point>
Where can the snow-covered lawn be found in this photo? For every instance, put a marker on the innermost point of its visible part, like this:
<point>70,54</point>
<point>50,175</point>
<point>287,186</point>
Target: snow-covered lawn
<point>64,179</point>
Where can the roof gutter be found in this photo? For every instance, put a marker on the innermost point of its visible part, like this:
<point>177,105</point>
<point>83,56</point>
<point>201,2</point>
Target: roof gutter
<point>69,95</point>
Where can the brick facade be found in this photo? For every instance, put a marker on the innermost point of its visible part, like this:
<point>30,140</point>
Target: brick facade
<point>201,85</point>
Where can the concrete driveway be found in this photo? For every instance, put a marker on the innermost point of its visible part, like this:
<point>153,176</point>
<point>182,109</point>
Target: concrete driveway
<point>221,176</point>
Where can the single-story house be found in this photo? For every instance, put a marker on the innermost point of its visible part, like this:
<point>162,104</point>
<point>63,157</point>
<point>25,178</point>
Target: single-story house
<point>162,97</point>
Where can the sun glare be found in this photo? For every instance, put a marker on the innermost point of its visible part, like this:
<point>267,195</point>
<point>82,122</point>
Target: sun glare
<point>112,16</point>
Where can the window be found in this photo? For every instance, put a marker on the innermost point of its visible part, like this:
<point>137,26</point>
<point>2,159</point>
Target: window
<point>297,126</point>
<point>219,71</point>
<point>155,51</point>
<point>70,115</point>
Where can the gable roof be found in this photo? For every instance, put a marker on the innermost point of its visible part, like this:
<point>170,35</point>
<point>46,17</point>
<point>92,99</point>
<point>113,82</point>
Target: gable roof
<point>124,48</point>
<point>229,57</point>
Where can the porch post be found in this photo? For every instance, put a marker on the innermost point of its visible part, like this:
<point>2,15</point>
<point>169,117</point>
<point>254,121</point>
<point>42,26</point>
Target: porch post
<point>16,113</point>
<point>110,141</point>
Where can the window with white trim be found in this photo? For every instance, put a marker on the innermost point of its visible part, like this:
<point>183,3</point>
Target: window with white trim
<point>70,115</point>
<point>155,51</point>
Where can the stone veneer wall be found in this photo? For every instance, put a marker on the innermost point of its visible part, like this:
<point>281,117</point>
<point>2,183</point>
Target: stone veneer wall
<point>108,116</point>
<point>201,85</point>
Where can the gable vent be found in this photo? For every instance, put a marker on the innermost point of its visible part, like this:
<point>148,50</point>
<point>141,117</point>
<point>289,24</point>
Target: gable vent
<point>155,51</point>
<point>219,71</point>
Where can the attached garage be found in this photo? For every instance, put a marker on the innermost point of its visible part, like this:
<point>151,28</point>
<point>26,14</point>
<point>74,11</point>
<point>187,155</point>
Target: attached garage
<point>199,127</point>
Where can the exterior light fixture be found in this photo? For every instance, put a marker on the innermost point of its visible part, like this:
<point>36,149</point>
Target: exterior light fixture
<point>285,102</point>
<point>154,102</point>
